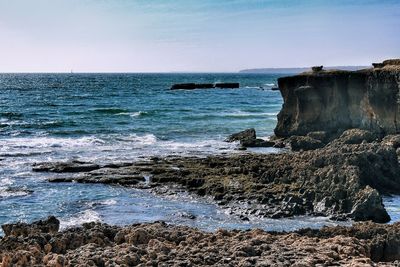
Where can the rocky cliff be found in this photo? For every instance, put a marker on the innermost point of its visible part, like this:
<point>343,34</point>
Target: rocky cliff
<point>335,100</point>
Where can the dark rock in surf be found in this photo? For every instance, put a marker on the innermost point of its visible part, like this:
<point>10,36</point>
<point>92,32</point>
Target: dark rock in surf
<point>69,166</point>
<point>248,138</point>
<point>186,86</point>
<point>248,134</point>
<point>227,85</point>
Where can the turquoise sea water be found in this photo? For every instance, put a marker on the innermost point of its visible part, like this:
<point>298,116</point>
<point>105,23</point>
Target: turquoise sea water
<point>123,117</point>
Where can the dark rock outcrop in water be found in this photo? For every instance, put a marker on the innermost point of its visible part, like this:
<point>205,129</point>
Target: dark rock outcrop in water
<point>343,179</point>
<point>248,138</point>
<point>159,244</point>
<point>192,86</point>
<point>338,100</point>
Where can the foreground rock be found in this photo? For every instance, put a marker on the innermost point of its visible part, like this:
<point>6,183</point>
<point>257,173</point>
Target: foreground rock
<point>331,100</point>
<point>343,179</point>
<point>158,244</point>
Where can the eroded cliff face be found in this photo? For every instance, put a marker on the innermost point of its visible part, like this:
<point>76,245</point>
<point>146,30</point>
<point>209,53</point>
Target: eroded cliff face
<point>337,100</point>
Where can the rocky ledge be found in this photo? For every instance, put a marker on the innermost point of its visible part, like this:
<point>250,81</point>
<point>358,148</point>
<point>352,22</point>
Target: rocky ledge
<point>159,244</point>
<point>333,99</point>
<point>343,179</point>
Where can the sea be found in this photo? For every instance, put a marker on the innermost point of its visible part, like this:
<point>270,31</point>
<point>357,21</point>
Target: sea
<point>123,118</point>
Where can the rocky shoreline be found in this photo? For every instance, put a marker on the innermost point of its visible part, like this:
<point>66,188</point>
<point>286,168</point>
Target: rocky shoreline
<point>344,179</point>
<point>159,244</point>
<point>342,155</point>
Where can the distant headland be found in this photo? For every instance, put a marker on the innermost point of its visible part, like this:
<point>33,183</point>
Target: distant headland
<point>298,70</point>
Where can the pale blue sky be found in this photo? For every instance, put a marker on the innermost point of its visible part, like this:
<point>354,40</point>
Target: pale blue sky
<point>188,35</point>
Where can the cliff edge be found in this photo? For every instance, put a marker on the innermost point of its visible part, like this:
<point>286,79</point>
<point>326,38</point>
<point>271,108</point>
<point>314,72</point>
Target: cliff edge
<point>336,100</point>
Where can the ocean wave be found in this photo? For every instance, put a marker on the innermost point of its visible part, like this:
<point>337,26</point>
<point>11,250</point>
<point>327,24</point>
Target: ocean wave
<point>7,190</point>
<point>270,84</point>
<point>108,202</point>
<point>79,219</point>
<point>133,114</point>
<point>147,139</point>
<point>11,115</point>
<point>9,144</point>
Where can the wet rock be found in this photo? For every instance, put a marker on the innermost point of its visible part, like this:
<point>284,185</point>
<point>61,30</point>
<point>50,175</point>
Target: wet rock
<point>342,179</point>
<point>248,138</point>
<point>69,166</point>
<point>248,134</point>
<point>257,143</point>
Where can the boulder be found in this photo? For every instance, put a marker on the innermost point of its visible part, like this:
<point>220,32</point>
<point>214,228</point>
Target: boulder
<point>369,206</point>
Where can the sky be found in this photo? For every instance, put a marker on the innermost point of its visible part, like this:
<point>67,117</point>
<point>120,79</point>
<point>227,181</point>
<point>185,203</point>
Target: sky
<point>194,35</point>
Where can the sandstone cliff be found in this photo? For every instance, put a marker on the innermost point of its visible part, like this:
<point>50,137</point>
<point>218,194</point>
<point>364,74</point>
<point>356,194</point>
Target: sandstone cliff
<point>337,100</point>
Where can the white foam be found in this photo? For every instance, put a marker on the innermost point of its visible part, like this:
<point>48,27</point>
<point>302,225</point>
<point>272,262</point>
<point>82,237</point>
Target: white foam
<point>46,142</point>
<point>133,114</point>
<point>146,139</point>
<point>6,182</point>
<point>79,219</point>
<point>4,193</point>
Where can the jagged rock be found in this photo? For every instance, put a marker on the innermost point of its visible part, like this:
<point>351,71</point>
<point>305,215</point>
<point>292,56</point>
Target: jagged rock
<point>319,135</point>
<point>356,136</point>
<point>332,99</point>
<point>50,225</point>
<point>392,141</point>
<point>364,244</point>
<point>304,143</point>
